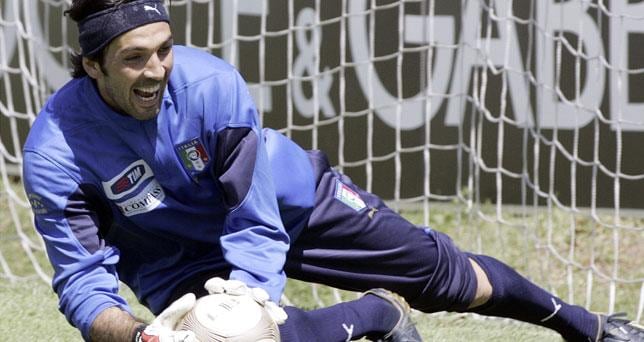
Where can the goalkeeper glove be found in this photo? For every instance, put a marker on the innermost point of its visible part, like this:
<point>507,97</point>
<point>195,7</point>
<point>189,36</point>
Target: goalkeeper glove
<point>238,288</point>
<point>162,328</point>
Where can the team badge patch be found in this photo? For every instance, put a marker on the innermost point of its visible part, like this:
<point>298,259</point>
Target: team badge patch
<point>193,155</point>
<point>349,197</point>
<point>37,204</point>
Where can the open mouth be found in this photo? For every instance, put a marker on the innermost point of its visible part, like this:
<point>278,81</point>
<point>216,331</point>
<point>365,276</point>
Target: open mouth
<point>148,94</point>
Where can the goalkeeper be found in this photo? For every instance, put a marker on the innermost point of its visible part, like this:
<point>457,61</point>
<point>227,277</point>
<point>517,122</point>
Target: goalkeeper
<point>150,167</point>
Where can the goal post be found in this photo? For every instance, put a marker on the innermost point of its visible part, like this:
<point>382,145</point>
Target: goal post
<point>513,125</point>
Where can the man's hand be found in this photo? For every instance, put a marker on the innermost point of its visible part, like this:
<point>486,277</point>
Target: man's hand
<point>162,328</point>
<point>238,288</point>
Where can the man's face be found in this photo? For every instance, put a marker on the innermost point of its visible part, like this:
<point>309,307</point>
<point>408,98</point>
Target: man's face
<point>135,70</point>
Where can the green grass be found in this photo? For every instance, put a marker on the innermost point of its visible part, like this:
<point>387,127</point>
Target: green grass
<point>526,242</point>
<point>29,313</point>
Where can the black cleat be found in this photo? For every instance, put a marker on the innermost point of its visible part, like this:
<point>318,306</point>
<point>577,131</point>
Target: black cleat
<point>617,329</point>
<point>405,329</point>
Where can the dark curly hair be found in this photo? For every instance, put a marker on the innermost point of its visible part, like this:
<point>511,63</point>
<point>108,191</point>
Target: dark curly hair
<point>78,11</point>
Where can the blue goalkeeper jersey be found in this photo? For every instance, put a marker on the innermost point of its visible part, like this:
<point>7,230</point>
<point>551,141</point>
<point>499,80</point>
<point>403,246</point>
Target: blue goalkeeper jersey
<point>155,202</point>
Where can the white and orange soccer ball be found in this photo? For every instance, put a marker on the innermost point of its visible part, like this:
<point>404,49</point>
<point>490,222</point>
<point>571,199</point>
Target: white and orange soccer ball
<point>230,318</point>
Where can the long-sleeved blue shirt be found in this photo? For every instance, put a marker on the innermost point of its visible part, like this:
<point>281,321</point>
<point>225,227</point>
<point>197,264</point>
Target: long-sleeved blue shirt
<point>154,202</point>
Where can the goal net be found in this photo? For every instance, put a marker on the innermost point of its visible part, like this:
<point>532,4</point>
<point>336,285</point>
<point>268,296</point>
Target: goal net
<point>515,126</point>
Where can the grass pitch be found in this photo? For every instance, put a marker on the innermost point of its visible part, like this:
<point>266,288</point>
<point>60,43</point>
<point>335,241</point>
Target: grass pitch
<point>28,308</point>
<point>29,313</point>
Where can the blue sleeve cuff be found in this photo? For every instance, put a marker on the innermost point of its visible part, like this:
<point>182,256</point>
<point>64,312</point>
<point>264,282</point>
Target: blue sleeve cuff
<point>274,287</point>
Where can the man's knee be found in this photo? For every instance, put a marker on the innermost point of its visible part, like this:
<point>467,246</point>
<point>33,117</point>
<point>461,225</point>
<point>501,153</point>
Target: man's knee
<point>483,286</point>
<point>453,283</point>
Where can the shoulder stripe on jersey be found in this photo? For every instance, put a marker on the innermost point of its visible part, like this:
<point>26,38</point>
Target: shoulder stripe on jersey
<point>236,151</point>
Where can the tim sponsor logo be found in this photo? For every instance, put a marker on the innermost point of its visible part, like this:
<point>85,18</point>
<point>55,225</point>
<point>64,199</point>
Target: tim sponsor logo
<point>127,180</point>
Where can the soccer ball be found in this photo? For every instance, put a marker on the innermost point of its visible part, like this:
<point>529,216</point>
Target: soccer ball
<point>228,318</point>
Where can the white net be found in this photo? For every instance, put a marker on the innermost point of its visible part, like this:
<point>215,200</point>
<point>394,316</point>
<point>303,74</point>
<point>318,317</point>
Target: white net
<point>513,125</point>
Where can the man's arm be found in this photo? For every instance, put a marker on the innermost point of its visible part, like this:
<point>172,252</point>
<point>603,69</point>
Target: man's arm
<point>67,216</point>
<point>114,324</point>
<point>254,240</point>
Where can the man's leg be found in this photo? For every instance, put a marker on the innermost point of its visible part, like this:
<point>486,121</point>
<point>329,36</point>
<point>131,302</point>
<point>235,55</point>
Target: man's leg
<point>353,241</point>
<point>483,286</point>
<point>514,296</point>
<point>503,292</point>
<point>378,315</point>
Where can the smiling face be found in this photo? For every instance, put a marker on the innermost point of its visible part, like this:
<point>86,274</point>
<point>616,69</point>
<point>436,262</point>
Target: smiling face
<point>135,70</point>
